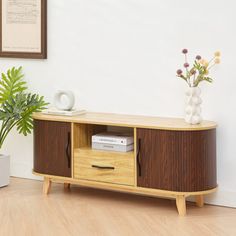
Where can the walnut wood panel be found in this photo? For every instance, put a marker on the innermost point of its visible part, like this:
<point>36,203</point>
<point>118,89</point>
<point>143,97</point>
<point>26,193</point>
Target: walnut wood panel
<point>52,151</point>
<point>182,161</point>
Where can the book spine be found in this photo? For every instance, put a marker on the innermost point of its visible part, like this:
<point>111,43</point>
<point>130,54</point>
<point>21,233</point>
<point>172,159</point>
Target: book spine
<point>111,147</point>
<point>119,141</point>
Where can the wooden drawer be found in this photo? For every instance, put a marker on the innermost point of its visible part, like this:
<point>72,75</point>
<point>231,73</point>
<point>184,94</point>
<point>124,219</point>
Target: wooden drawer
<point>109,167</point>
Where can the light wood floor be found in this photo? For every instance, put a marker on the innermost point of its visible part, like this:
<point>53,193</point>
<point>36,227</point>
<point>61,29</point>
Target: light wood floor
<point>83,211</point>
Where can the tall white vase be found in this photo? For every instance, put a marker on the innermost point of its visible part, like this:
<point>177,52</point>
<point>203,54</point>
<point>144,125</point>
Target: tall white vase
<point>193,106</point>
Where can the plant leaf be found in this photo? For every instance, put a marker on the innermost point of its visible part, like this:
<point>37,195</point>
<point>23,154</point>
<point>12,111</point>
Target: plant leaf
<point>11,84</point>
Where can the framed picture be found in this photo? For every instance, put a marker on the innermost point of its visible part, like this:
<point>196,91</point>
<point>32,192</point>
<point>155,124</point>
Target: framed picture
<point>23,28</point>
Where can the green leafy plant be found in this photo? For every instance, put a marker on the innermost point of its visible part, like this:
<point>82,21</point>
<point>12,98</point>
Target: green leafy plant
<point>199,72</point>
<point>16,104</point>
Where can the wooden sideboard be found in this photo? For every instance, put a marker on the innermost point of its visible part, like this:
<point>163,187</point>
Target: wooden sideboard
<point>171,158</point>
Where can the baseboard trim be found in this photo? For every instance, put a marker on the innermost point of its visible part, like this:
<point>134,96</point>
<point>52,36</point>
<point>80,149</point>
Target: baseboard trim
<point>222,198</point>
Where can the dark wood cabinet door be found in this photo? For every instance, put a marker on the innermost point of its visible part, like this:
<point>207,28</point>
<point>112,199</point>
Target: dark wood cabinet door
<point>182,161</point>
<point>52,148</point>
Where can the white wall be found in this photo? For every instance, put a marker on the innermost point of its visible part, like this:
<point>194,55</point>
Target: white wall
<point>121,56</point>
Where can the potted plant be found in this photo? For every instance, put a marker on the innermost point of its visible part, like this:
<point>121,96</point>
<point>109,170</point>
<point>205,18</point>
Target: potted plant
<point>16,108</point>
<point>193,76</point>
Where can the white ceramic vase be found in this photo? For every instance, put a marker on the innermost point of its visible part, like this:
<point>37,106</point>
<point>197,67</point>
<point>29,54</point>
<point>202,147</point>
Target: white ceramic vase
<point>193,106</point>
<point>4,170</point>
<point>68,102</point>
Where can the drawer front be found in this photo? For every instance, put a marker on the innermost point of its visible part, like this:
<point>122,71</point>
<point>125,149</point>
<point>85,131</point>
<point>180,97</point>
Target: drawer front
<point>116,168</point>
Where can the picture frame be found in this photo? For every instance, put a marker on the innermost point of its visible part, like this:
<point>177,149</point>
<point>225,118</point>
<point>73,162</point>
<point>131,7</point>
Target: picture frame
<point>23,29</point>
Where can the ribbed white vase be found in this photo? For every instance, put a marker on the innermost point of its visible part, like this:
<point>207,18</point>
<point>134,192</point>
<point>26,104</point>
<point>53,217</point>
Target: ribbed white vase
<point>193,106</point>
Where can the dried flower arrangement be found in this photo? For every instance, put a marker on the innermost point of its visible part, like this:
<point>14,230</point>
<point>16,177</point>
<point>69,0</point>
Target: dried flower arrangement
<point>199,71</point>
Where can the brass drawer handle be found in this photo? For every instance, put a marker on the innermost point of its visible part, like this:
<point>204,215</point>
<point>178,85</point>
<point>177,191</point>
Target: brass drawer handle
<point>103,167</point>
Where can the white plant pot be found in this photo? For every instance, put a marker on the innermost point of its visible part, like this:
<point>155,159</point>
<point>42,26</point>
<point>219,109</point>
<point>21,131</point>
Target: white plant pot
<point>193,106</point>
<point>4,170</point>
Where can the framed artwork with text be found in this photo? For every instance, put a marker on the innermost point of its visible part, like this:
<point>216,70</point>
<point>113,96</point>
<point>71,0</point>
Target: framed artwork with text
<point>23,28</point>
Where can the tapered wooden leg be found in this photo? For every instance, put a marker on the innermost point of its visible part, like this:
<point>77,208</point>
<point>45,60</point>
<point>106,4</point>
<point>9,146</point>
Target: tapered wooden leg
<point>181,205</point>
<point>66,185</point>
<point>46,185</point>
<point>199,200</point>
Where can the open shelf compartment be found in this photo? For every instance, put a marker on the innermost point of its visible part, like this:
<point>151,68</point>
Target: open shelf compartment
<point>82,133</point>
<point>101,165</point>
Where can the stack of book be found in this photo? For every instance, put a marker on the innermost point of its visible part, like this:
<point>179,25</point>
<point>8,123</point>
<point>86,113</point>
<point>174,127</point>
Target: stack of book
<point>113,141</point>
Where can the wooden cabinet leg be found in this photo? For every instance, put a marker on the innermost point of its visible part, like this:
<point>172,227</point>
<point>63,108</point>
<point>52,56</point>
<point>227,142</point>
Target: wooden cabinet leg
<point>46,185</point>
<point>199,200</point>
<point>66,185</point>
<point>181,204</point>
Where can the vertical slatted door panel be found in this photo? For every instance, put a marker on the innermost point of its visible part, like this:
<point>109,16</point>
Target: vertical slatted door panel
<point>156,169</point>
<point>52,148</point>
<point>182,161</point>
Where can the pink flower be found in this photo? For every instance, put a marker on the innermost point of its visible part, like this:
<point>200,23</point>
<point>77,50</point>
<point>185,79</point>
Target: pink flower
<point>185,51</point>
<point>179,72</point>
<point>198,57</point>
<point>186,65</point>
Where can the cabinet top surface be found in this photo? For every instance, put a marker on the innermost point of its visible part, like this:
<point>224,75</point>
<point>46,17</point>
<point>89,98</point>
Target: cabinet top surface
<point>129,121</point>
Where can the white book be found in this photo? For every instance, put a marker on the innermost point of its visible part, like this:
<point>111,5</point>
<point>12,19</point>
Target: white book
<point>113,138</point>
<point>113,147</point>
<point>63,113</point>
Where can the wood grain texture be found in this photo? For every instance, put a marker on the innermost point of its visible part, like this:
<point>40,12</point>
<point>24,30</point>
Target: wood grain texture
<point>72,147</point>
<point>181,205</point>
<point>46,185</point>
<point>124,188</point>
<point>199,200</point>
<point>66,186</point>
<point>135,154</point>
<point>83,134</point>
<point>170,164</point>
<point>129,121</point>
<point>103,166</point>
<point>30,55</point>
<point>83,211</point>
<point>183,161</point>
<point>51,144</point>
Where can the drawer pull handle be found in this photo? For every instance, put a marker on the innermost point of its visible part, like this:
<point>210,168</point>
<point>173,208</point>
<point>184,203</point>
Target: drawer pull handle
<point>139,158</point>
<point>103,167</point>
<point>68,151</point>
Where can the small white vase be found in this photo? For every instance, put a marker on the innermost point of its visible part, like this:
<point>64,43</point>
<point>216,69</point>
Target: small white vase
<point>193,106</point>
<point>68,102</point>
<point>4,170</point>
